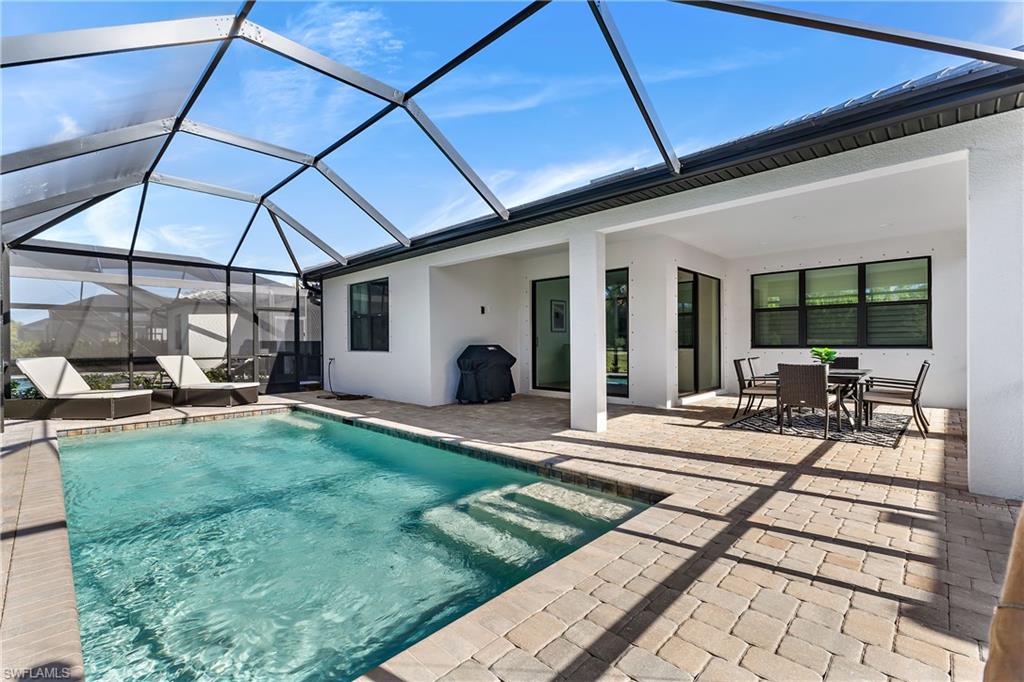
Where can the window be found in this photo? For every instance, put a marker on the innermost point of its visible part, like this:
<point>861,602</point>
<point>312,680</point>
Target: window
<point>831,296</point>
<point>368,315</point>
<point>776,301</point>
<point>898,299</point>
<point>883,304</point>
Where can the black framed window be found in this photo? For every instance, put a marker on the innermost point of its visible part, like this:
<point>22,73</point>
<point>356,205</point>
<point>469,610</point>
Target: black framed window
<point>885,304</point>
<point>898,301</point>
<point>368,315</point>
<point>831,298</point>
<point>776,306</point>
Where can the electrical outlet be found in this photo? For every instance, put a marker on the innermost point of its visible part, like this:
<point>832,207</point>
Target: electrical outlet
<point>330,359</point>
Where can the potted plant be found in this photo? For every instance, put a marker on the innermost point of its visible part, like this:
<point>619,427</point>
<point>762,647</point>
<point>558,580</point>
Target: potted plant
<point>825,356</point>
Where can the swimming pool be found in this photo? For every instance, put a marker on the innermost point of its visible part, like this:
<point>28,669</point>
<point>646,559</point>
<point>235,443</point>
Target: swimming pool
<point>295,547</point>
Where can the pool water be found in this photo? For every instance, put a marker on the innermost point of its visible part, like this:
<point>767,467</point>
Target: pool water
<point>295,547</point>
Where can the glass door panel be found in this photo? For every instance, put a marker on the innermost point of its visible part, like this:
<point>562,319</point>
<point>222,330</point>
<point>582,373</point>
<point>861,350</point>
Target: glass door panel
<point>616,298</point>
<point>698,307</point>
<point>685,309</point>
<point>709,361</point>
<point>551,321</point>
<point>551,334</point>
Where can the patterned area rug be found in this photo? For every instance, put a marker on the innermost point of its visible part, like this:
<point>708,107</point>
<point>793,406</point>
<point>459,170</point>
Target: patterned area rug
<point>886,429</point>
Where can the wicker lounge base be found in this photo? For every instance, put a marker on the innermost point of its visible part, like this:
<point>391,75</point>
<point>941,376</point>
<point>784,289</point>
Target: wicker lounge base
<point>214,397</point>
<point>78,408</point>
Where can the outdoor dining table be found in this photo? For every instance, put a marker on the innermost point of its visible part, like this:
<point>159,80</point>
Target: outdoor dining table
<point>850,383</point>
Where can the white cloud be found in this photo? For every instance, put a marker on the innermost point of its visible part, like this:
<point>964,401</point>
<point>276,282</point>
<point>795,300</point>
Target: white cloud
<point>108,223</point>
<point>746,59</point>
<point>451,211</point>
<point>355,37</point>
<point>280,99</point>
<point>517,187</point>
<point>69,128</point>
<point>286,102</point>
<point>187,238</point>
<point>477,94</point>
<point>496,104</point>
<point>1007,28</point>
<point>111,222</point>
<point>508,91</point>
<point>66,99</point>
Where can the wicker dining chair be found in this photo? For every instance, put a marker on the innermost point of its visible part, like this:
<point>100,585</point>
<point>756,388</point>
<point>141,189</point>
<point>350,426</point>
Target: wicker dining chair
<point>899,392</point>
<point>806,386</point>
<point>846,362</point>
<point>751,386</point>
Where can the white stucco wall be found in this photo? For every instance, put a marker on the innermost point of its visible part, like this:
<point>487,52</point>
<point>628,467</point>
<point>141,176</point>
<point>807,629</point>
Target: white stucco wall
<point>458,292</point>
<point>404,371</point>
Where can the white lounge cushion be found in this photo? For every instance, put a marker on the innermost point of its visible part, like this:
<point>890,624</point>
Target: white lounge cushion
<point>56,378</point>
<point>183,371</point>
<point>224,386</point>
<point>104,394</point>
<point>52,376</point>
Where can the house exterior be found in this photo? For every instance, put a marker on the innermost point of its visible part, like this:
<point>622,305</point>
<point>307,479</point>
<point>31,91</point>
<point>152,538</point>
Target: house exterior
<point>901,213</point>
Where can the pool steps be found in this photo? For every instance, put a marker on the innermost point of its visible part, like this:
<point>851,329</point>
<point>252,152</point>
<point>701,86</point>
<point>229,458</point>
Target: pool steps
<point>482,537</point>
<point>292,420</point>
<point>518,524</point>
<point>591,506</point>
<point>495,508</point>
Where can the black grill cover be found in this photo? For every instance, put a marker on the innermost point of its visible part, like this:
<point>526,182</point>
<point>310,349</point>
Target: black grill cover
<point>485,373</point>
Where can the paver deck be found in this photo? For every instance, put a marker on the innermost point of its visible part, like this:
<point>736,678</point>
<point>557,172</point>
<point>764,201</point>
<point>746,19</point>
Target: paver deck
<point>772,557</point>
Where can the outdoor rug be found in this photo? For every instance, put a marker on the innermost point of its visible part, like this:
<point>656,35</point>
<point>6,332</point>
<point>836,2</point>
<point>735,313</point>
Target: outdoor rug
<point>886,429</point>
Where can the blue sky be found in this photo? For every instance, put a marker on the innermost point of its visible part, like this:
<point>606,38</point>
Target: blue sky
<point>541,111</point>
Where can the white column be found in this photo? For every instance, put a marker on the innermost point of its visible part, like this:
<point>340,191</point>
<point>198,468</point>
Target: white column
<point>653,352</point>
<point>587,381</point>
<point>995,314</point>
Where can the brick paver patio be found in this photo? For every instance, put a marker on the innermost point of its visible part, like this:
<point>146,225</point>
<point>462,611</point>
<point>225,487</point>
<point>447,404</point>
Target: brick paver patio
<point>772,557</point>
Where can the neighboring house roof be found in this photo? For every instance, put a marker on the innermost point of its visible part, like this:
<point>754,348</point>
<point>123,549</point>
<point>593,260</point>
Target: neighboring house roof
<point>947,97</point>
<point>108,301</point>
<point>200,296</point>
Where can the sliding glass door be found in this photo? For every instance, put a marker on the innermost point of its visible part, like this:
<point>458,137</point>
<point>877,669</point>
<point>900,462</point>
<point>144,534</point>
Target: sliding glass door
<point>698,309</point>
<point>616,331</point>
<point>551,333</point>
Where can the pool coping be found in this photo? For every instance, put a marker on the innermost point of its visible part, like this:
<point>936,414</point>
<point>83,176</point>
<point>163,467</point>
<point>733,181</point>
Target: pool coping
<point>39,615</point>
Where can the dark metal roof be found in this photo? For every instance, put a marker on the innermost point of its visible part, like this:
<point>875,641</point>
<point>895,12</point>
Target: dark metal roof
<point>954,95</point>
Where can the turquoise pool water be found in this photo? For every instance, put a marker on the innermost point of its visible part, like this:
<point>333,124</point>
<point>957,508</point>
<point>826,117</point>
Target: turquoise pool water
<point>294,547</point>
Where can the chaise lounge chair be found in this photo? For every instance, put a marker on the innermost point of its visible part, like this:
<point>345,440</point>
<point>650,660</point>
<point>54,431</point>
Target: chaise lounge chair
<point>193,387</point>
<point>67,396</point>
